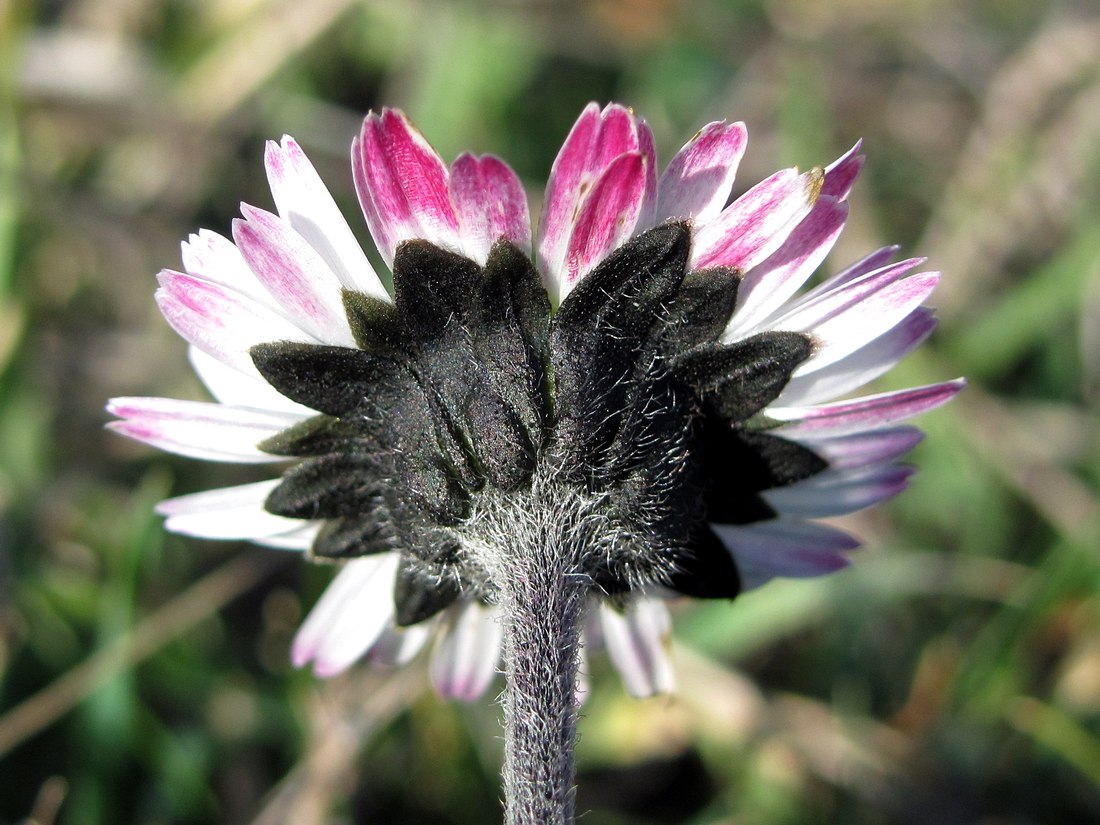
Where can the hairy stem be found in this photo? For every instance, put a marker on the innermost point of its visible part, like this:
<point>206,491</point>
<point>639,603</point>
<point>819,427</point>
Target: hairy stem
<point>543,605</point>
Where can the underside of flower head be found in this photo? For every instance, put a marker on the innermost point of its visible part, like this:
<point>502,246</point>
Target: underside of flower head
<point>464,387</point>
<point>641,375</point>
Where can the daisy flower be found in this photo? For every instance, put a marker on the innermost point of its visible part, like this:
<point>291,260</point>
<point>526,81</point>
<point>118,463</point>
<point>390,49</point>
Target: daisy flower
<point>642,398</point>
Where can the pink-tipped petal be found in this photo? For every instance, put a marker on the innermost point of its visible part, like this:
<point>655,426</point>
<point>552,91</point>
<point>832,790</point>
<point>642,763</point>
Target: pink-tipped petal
<point>699,178</point>
<point>606,220</point>
<point>861,366</point>
<point>751,228</point>
<point>297,277</point>
<point>637,642</point>
<point>350,615</point>
<point>402,184</point>
<point>843,320</point>
<point>220,321</point>
<point>228,513</point>
<point>596,140</point>
<point>838,492</point>
<point>841,174</point>
<point>213,432</point>
<point>490,204</point>
<point>305,204</point>
<point>214,258</point>
<point>467,656</point>
<point>868,412</point>
<point>781,547</point>
<point>767,286</point>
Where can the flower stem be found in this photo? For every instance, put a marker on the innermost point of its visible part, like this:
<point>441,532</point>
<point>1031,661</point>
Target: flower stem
<point>543,606</point>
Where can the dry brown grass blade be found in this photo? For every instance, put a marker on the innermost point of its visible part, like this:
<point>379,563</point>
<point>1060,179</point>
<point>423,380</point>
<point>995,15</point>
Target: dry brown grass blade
<point>1018,177</point>
<point>341,717</point>
<point>199,601</point>
<point>1003,439</point>
<point>241,62</point>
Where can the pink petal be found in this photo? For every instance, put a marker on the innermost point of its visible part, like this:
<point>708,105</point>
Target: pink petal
<point>757,223</point>
<point>468,654</point>
<point>841,174</point>
<point>867,413</point>
<point>199,429</point>
<point>637,643</point>
<point>767,286</point>
<point>349,617</point>
<point>220,321</point>
<point>305,204</point>
<point>596,140</point>
<point>861,366</point>
<point>781,547</point>
<point>490,204</point>
<point>297,277</point>
<point>838,492</point>
<point>699,178</point>
<point>402,185</point>
<point>235,513</point>
<point>606,220</point>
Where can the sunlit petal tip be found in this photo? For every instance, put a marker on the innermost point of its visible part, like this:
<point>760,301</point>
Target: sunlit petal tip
<point>751,228</point>
<point>841,174</point>
<point>699,177</point>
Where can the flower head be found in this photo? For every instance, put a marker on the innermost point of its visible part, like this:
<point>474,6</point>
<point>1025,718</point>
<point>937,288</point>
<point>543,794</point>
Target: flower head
<point>643,379</point>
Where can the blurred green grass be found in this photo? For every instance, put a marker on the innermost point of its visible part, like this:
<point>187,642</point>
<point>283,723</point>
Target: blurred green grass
<point>952,675</point>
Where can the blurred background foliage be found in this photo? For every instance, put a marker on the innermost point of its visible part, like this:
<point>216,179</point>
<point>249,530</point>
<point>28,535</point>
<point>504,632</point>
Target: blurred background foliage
<point>951,676</point>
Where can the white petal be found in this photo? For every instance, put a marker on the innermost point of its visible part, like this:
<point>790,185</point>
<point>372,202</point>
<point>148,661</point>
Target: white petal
<point>235,388</point>
<point>637,643</point>
<point>298,540</point>
<point>845,319</point>
<point>304,202</point>
<point>398,645</point>
<point>860,367</point>
<point>298,278</point>
<point>863,449</point>
<point>226,513</point>
<point>215,258</point>
<point>838,492</point>
<point>349,616</point>
<point>221,321</point>
<point>782,547</point>
<point>198,429</point>
<point>468,653</point>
